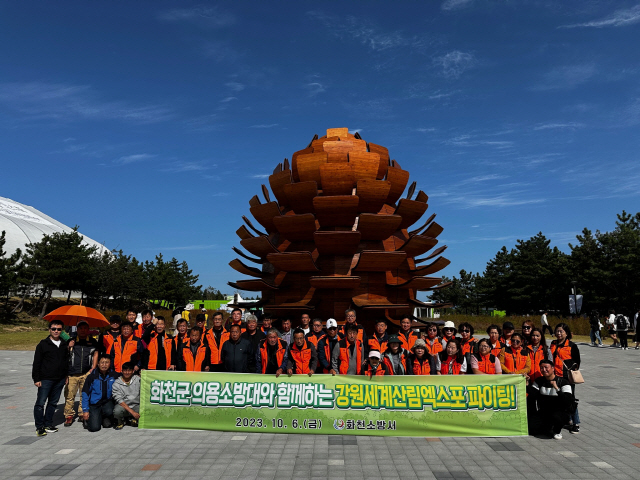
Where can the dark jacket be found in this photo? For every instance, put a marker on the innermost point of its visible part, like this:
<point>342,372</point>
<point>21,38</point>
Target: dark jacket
<point>81,355</point>
<point>254,339</point>
<point>238,357</point>
<point>546,398</point>
<point>97,389</point>
<point>50,362</point>
<point>323,360</point>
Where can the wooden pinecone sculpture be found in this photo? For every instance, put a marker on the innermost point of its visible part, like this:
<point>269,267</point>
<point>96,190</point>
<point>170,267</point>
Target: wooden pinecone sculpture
<point>338,235</point>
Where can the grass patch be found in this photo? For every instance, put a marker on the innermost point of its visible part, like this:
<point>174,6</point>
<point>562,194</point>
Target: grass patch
<point>21,340</point>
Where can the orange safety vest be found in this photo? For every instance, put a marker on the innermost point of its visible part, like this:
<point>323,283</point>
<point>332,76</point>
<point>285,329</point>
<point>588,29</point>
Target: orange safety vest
<point>434,349</point>
<point>342,333</point>
<point>153,353</point>
<point>108,339</point>
<point>344,356</point>
<point>563,353</point>
<point>228,327</point>
<point>504,342</point>
<point>376,344</point>
<point>495,350</point>
<point>487,363</point>
<point>313,339</point>
<point>381,370</point>
<point>450,366</point>
<point>300,357</point>
<point>216,350</point>
<point>389,363</point>
<point>467,347</point>
<point>514,361</point>
<point>535,361</point>
<point>421,368</point>
<point>264,359</point>
<point>139,330</point>
<point>408,339</point>
<point>194,364</point>
<point>123,354</point>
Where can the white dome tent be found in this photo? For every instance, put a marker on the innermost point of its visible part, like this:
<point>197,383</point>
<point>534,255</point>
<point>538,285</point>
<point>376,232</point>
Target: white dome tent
<point>24,224</point>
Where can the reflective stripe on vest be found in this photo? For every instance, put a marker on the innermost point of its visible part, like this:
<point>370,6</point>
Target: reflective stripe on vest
<point>264,358</point>
<point>301,358</point>
<point>344,357</point>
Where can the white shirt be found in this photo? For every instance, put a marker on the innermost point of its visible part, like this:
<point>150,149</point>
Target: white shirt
<point>56,342</point>
<point>544,319</point>
<point>611,321</point>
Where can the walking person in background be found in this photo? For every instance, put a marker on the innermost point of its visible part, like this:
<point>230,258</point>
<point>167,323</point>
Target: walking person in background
<point>636,317</point>
<point>49,374</point>
<point>545,323</point>
<point>622,327</point>
<point>594,332</point>
<point>83,352</point>
<point>566,356</point>
<point>611,327</point>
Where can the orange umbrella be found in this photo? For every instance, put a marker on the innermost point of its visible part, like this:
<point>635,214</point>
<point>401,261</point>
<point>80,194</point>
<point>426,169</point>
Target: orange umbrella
<point>72,314</point>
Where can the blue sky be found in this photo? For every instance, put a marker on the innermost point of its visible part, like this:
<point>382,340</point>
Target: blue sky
<point>151,124</point>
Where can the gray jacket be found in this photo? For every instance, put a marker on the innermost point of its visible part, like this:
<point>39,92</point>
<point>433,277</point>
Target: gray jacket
<point>129,394</point>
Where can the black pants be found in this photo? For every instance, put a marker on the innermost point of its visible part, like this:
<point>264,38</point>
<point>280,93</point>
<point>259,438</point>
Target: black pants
<point>622,336</point>
<point>540,423</point>
<point>545,328</point>
<point>100,415</point>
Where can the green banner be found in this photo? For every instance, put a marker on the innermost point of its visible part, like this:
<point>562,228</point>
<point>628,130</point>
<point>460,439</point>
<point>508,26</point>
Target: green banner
<point>414,406</point>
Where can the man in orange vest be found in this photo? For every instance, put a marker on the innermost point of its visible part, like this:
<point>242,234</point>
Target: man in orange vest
<point>176,343</point>
<point>266,323</point>
<point>126,348</point>
<point>146,327</point>
<point>407,336</point>
<point>235,319</point>
<point>350,319</point>
<point>215,337</point>
<point>302,355</point>
<point>157,356</point>
<point>271,356</point>
<point>106,339</point>
<point>347,357</point>
<point>380,338</point>
<point>196,356</point>
<point>317,333</point>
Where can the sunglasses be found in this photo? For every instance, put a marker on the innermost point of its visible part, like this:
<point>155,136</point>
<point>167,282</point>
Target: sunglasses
<point>465,331</point>
<point>516,342</point>
<point>527,327</point>
<point>447,329</point>
<point>433,329</point>
<point>55,329</point>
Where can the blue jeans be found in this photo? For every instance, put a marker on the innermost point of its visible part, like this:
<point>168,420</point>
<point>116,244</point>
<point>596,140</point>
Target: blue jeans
<point>595,334</point>
<point>49,392</point>
<point>100,416</point>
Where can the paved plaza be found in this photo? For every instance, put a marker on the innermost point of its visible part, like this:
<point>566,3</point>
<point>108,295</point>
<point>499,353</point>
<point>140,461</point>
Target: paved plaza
<point>607,447</point>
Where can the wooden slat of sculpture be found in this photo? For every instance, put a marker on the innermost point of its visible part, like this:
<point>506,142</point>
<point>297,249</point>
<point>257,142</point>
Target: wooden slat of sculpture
<point>378,227</point>
<point>238,266</point>
<point>341,282</point>
<point>383,152</point>
<point>422,197</point>
<point>265,193</point>
<point>250,225</point>
<point>433,231</point>
<point>419,229</point>
<point>410,211</point>
<point>278,169</point>
<point>337,210</point>
<point>433,267</point>
<point>338,132</point>
<point>294,162</point>
<point>285,164</point>
<point>412,189</point>
<point>243,233</point>
<point>309,166</point>
<point>254,201</point>
<point>379,261</point>
<point>293,261</point>
<point>337,179</point>
<point>373,195</point>
<point>259,246</point>
<point>379,302</point>
<point>365,165</point>
<point>244,255</point>
<point>337,151</point>
<point>296,227</point>
<point>265,215</point>
<point>300,196</point>
<point>252,285</point>
<point>302,304</point>
<point>277,181</point>
<point>419,283</point>
<point>337,243</point>
<point>435,253</point>
<point>398,179</point>
<point>417,245</point>
<point>359,145</point>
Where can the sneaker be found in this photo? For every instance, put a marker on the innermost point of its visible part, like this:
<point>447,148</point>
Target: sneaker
<point>637,347</point>
<point>133,422</point>
<point>593,344</point>
<point>41,432</point>
<point>558,436</point>
<point>119,426</point>
<point>51,429</point>
<point>68,421</point>
<point>575,429</point>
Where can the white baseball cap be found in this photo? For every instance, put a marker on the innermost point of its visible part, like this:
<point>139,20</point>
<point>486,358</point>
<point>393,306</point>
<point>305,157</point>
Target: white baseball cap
<point>374,354</point>
<point>331,323</point>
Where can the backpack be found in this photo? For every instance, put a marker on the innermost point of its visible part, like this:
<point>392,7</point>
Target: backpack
<point>621,322</point>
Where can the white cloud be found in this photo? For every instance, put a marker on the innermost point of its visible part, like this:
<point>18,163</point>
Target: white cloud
<point>62,102</point>
<point>566,77</point>
<point>455,63</point>
<point>210,17</point>
<point>455,4</point>
<point>424,130</point>
<point>314,88</point>
<point>270,125</point>
<point>554,126</point>
<point>137,157</point>
<point>220,51</point>
<point>228,99</point>
<point>179,167</point>
<point>235,86</point>
<point>354,131</point>
<point>619,18</point>
<point>262,175</point>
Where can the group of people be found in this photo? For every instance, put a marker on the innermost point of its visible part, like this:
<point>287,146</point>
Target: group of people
<point>105,370</point>
<point>618,327</point>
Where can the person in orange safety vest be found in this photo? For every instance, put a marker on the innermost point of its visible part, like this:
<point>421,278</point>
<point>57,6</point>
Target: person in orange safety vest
<point>374,366</point>
<point>271,355</point>
<point>126,348</point>
<point>347,357</point>
<point>157,356</point>
<point>302,357</point>
<point>196,356</point>
<point>407,336</point>
<point>380,338</point>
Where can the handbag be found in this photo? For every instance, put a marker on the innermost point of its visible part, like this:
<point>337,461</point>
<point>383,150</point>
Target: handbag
<point>574,376</point>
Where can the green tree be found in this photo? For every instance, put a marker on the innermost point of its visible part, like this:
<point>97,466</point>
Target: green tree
<point>10,270</point>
